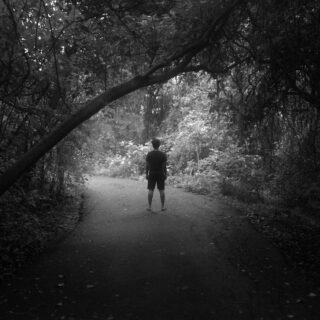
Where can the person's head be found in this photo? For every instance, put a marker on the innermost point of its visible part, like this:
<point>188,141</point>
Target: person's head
<point>155,143</point>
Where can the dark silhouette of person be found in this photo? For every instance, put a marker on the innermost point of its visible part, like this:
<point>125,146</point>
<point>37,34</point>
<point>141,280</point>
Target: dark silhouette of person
<point>156,173</point>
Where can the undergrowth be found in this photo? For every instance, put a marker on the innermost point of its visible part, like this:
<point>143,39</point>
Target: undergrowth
<point>30,224</point>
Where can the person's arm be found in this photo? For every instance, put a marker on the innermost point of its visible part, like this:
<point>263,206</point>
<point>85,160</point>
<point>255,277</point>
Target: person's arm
<point>164,169</point>
<point>147,168</point>
<point>164,166</point>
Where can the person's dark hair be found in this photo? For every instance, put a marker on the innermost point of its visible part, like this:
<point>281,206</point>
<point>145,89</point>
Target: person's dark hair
<point>155,143</point>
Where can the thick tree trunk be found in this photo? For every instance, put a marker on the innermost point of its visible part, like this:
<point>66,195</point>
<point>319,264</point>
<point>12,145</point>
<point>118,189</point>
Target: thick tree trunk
<point>89,109</point>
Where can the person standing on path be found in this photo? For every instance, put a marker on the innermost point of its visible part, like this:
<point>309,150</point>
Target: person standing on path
<point>156,172</point>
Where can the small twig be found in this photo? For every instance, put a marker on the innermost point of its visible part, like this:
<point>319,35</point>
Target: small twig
<point>54,55</point>
<point>37,25</point>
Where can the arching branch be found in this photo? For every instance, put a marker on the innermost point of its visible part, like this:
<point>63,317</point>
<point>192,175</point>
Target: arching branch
<point>172,66</point>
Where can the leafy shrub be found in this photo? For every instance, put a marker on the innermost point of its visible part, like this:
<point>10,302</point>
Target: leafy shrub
<point>132,163</point>
<point>295,180</point>
<point>136,154</point>
<point>234,173</point>
<point>239,191</point>
<point>117,166</point>
<point>197,183</point>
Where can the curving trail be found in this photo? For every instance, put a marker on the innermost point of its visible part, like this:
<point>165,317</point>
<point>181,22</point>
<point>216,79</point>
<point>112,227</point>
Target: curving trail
<point>197,260</point>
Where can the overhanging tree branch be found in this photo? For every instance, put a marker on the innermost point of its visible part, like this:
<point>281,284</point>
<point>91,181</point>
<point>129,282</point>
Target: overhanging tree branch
<point>208,37</point>
<point>89,109</point>
<point>169,68</point>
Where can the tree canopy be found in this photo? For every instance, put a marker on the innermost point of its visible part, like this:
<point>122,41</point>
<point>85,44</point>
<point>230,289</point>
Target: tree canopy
<point>63,61</point>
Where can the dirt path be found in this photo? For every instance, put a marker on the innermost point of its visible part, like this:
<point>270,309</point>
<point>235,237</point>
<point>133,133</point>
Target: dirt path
<point>197,260</point>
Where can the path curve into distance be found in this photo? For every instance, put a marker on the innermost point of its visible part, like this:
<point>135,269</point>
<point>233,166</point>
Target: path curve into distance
<point>197,260</point>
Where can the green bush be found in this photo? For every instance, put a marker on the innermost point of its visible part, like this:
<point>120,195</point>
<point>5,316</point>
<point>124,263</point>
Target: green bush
<point>239,191</point>
<point>132,163</point>
<point>295,180</point>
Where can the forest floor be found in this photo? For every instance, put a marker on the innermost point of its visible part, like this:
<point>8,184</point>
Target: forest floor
<point>28,226</point>
<point>200,259</point>
<point>294,231</point>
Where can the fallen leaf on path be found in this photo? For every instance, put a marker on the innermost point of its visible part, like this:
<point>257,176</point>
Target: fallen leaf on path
<point>4,301</point>
<point>311,294</point>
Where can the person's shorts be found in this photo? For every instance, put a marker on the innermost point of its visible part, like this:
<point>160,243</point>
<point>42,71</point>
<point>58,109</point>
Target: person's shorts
<point>156,179</point>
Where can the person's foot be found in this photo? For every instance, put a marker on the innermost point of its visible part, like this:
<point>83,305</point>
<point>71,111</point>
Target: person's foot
<point>149,209</point>
<point>163,209</point>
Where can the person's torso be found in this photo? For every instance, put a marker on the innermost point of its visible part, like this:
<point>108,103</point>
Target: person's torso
<point>156,159</point>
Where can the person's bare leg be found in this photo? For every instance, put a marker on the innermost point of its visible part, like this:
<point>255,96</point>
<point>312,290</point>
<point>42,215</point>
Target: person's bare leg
<point>150,196</point>
<point>162,198</point>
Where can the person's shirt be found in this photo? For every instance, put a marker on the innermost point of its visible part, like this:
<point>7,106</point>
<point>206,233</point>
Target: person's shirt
<point>156,161</point>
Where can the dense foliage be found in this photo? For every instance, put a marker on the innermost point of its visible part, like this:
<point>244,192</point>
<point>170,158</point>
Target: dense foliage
<point>210,149</point>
